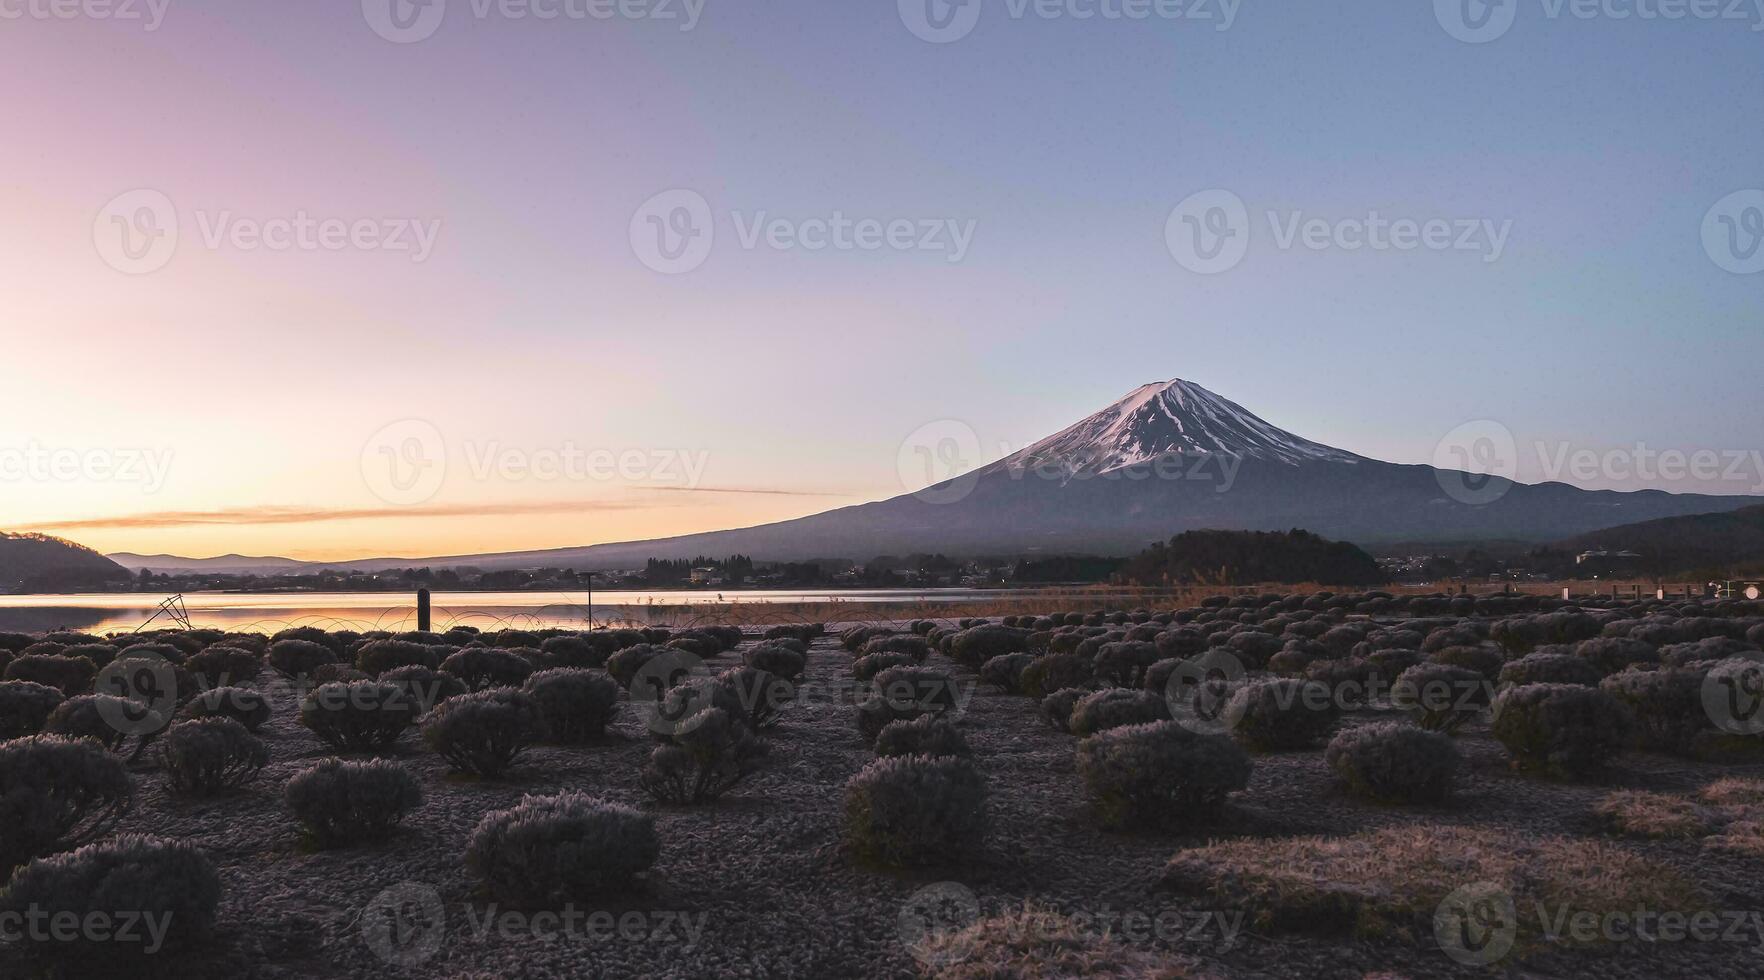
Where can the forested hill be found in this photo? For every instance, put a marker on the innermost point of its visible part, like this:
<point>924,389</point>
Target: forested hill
<point>38,562</point>
<point>1248,557</point>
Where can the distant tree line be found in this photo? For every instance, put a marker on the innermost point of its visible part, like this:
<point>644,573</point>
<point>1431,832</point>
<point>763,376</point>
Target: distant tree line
<point>1248,557</point>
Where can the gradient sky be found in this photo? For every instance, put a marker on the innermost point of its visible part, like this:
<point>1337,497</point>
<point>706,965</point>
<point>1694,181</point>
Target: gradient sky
<point>263,375</point>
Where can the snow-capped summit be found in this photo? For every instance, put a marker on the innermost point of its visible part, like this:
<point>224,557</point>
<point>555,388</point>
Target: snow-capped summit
<point>1167,417</point>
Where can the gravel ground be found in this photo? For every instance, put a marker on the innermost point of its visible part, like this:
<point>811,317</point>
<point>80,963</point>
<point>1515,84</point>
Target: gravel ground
<point>756,884</point>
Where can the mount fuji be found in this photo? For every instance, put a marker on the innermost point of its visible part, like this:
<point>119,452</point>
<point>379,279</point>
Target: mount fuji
<point>1166,458</point>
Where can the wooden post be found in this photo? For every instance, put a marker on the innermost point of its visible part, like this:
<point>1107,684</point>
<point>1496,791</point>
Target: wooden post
<point>423,617</point>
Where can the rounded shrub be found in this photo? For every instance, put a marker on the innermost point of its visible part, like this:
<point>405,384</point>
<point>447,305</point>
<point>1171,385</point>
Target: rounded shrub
<point>69,675</point>
<point>580,651</point>
<point>482,668</point>
<point>1124,663</point>
<point>975,645</point>
<point>93,717</point>
<point>210,755</point>
<point>341,803</point>
<point>426,687</point>
<point>1005,671</point>
<point>762,695</point>
<point>1057,707</point>
<point>574,705</point>
<point>363,716</point>
<point>776,659</point>
<point>911,646</point>
<point>905,693</point>
<point>299,658</point>
<point>220,666</point>
<point>244,705</point>
<point>1611,654</point>
<point>1484,660</point>
<point>1565,729</point>
<point>1549,668</point>
<point>924,735</point>
<point>56,794</point>
<point>378,656</point>
<point>624,665</point>
<point>549,850</point>
<point>1160,774</point>
<point>25,707</point>
<point>1666,705</point>
<point>1102,710</point>
<point>1052,672</point>
<point>866,667</point>
<point>1391,762</point>
<point>915,810</point>
<point>483,733</point>
<point>164,881</point>
<point>710,751</point>
<point>1280,714</point>
<point>1441,698</point>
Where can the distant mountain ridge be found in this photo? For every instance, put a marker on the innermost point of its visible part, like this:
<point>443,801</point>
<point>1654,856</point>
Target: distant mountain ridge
<point>1166,458</point>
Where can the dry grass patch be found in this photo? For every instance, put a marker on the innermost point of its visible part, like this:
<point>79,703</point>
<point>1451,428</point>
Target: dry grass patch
<point>1742,837</point>
<point>1390,883</point>
<point>1654,815</point>
<point>1734,791</point>
<point>1034,943</point>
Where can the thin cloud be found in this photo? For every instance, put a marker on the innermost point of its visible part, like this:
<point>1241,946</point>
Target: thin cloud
<point>317,515</point>
<point>780,493</point>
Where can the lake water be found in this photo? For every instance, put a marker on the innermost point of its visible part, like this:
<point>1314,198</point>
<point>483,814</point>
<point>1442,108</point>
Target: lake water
<point>267,612</point>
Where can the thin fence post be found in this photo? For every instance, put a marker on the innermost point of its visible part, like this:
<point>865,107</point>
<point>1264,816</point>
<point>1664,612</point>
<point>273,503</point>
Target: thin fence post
<point>423,617</point>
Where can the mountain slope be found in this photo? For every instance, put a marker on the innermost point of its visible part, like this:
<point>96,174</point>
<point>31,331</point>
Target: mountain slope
<point>38,561</point>
<point>1167,418</point>
<point>1696,540</point>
